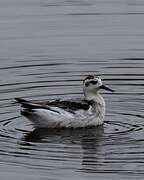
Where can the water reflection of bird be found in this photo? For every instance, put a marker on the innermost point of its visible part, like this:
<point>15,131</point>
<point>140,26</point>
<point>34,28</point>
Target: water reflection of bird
<point>79,135</point>
<point>84,142</point>
<point>86,112</point>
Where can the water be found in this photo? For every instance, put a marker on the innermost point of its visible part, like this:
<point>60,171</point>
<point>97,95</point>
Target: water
<point>46,49</point>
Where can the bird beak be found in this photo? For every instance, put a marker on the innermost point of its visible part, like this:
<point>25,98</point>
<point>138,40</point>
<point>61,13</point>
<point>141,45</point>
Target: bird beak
<point>106,88</point>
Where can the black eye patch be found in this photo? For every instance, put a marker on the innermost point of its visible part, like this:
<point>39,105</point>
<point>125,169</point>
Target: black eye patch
<point>93,82</point>
<point>90,82</point>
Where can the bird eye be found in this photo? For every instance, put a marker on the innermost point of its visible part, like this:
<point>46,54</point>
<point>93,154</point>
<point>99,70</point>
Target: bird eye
<point>87,84</point>
<point>93,82</point>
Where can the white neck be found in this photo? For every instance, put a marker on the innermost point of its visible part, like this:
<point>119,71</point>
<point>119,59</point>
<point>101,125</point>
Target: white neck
<point>95,96</point>
<point>99,103</point>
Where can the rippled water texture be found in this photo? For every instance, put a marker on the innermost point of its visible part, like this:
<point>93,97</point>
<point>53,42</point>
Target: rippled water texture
<point>46,49</point>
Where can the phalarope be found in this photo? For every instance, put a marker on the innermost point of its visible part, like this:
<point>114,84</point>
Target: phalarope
<point>74,113</point>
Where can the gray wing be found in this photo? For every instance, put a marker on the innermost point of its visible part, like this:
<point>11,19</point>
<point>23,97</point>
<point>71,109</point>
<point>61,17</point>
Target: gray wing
<point>71,105</point>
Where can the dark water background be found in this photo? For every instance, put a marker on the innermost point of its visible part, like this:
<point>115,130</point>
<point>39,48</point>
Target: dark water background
<point>46,49</point>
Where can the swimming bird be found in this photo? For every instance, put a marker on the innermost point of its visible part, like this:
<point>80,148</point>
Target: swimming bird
<point>69,113</point>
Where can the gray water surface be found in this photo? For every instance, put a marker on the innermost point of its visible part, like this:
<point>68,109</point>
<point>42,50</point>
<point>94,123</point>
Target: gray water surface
<point>46,49</point>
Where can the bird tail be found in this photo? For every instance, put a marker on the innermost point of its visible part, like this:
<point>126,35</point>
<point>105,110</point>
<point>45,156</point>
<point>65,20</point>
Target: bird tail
<point>40,115</point>
<point>28,104</point>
